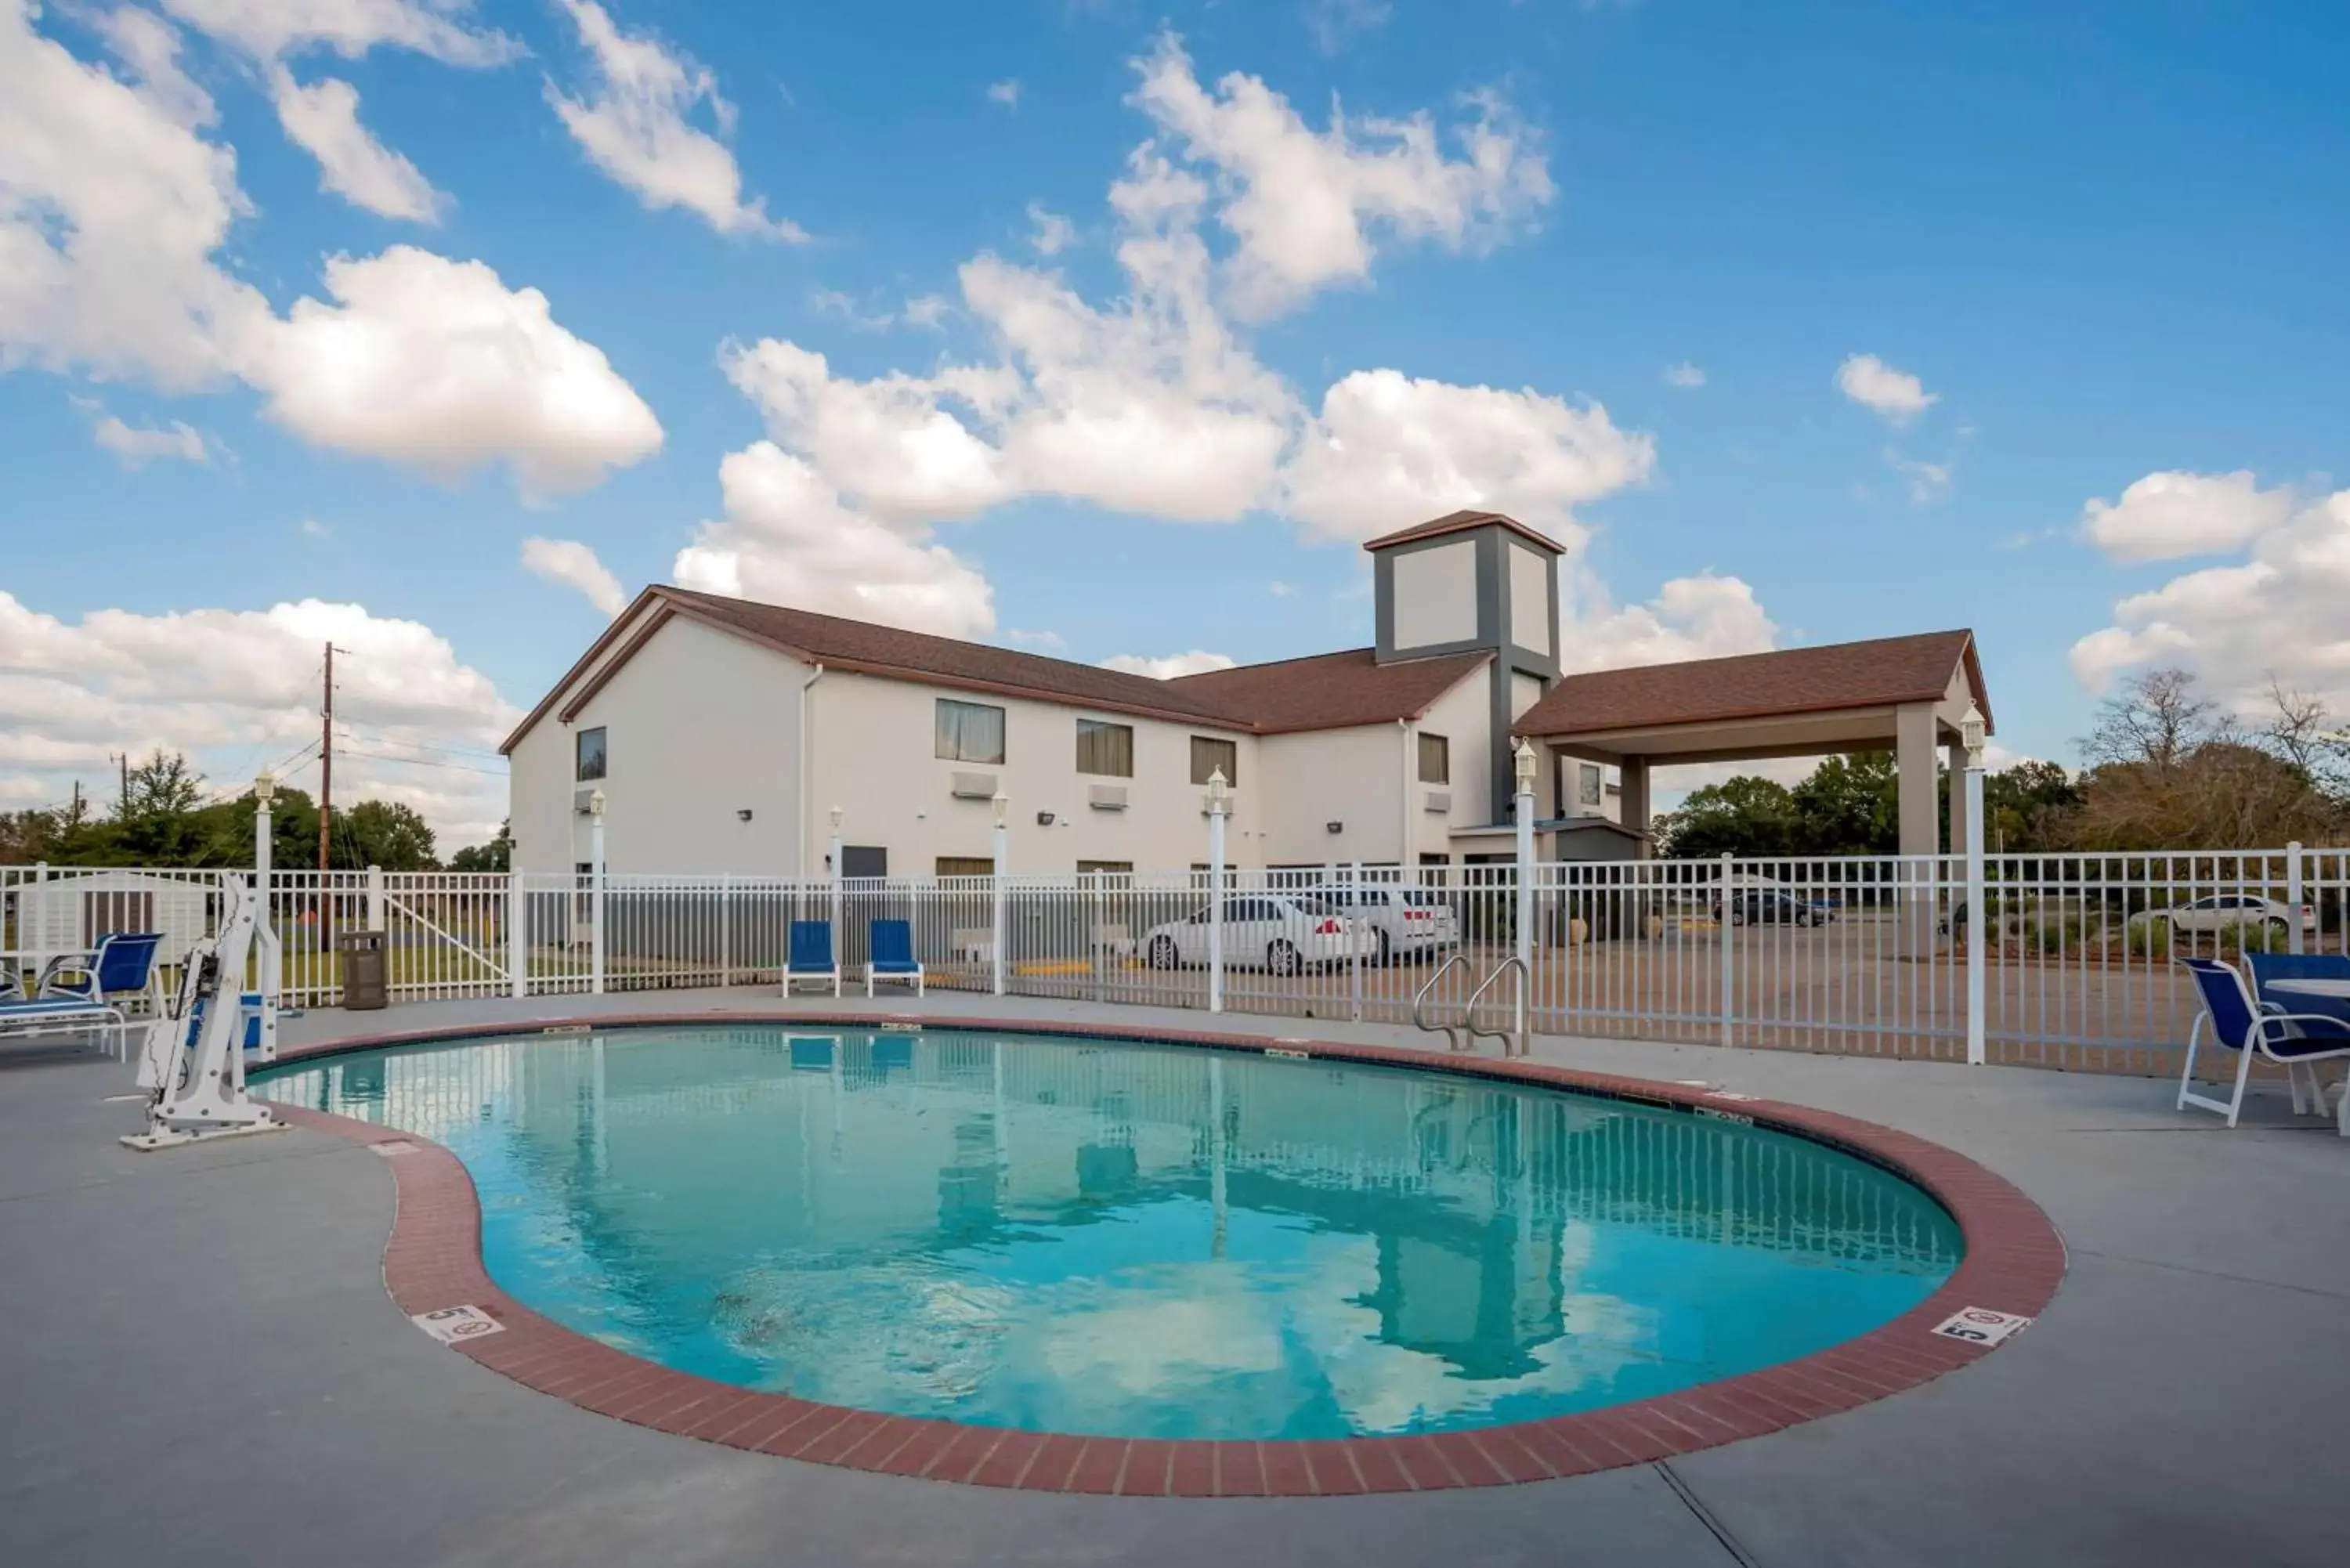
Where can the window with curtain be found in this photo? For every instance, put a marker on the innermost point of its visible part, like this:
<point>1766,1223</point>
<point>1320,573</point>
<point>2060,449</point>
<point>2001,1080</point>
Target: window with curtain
<point>591,744</point>
<point>1587,784</point>
<point>969,731</point>
<point>1208,756</point>
<point>1106,749</point>
<point>1435,760</point>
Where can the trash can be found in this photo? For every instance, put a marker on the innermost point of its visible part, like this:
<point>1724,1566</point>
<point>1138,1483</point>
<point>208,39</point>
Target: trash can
<point>364,984</point>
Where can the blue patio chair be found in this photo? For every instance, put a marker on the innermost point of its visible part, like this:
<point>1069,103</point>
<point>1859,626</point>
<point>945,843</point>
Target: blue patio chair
<point>2239,1025</point>
<point>2267,968</point>
<point>811,961</point>
<point>893,955</point>
<point>120,969</point>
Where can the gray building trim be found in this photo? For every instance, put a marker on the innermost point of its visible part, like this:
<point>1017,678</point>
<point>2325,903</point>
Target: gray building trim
<point>1492,543</point>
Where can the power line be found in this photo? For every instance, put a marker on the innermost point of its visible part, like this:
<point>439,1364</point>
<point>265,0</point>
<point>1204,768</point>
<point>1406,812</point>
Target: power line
<point>426,762</point>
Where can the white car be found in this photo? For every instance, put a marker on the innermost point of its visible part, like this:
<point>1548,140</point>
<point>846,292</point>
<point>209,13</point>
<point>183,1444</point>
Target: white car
<point>2227,912</point>
<point>1280,932</point>
<point>1406,920</point>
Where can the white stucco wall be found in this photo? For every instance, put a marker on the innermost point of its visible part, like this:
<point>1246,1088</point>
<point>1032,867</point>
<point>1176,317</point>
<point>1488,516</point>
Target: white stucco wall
<point>1463,718</point>
<point>1354,777</point>
<point>1436,594</point>
<point>699,727</point>
<point>1530,622</point>
<point>873,745</point>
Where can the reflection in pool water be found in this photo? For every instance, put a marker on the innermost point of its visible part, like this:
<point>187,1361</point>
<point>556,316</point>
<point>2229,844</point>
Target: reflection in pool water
<point>1134,1241</point>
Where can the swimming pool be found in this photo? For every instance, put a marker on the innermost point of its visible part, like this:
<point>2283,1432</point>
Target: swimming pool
<point>1120,1239</point>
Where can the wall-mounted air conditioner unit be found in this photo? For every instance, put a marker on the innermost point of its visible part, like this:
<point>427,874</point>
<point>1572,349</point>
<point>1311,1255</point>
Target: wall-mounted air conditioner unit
<point>1106,797</point>
<point>972,787</point>
<point>1439,801</point>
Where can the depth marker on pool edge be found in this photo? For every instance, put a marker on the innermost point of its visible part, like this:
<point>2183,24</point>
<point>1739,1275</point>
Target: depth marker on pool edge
<point>451,1325</point>
<point>1980,1326</point>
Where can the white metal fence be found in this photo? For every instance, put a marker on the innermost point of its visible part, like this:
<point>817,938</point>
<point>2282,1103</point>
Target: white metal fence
<point>1863,955</point>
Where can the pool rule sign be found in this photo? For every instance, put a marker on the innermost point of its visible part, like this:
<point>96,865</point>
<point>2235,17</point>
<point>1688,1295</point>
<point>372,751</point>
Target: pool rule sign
<point>453,1325</point>
<point>1980,1326</point>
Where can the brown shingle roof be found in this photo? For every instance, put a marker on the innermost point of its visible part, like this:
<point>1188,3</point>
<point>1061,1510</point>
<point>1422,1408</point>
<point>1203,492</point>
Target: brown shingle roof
<point>1329,690</point>
<point>1457,522</point>
<point>1876,673</point>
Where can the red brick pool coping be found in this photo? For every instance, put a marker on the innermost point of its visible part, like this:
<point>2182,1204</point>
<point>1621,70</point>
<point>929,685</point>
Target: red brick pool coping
<point>2014,1261</point>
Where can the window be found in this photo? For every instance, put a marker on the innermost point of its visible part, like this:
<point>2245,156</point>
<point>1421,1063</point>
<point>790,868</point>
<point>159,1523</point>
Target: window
<point>864,860</point>
<point>1105,749</point>
<point>590,744</point>
<point>969,731</point>
<point>1587,784</point>
<point>1208,756</point>
<point>1435,760</point>
<point>966,866</point>
<point>1106,867</point>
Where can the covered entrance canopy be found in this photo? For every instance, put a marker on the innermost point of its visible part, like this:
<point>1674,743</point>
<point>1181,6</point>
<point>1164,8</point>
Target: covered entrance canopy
<point>1899,694</point>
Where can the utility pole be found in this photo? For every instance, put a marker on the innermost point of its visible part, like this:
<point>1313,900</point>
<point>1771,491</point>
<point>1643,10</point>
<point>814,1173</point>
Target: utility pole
<point>123,808</point>
<point>327,759</point>
<point>74,819</point>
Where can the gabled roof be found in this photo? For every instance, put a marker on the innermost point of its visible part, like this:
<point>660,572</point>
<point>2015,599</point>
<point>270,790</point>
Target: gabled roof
<point>1460,523</point>
<point>1329,690</point>
<point>1882,672</point>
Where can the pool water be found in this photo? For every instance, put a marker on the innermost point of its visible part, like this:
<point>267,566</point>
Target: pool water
<point>1130,1241</point>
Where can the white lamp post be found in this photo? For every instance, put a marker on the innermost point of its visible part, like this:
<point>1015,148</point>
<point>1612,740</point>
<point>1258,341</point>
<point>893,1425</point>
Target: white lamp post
<point>1971,731</point>
<point>596,892</point>
<point>1528,764</point>
<point>1002,859</point>
<point>833,864</point>
<point>1219,806</point>
<point>264,792</point>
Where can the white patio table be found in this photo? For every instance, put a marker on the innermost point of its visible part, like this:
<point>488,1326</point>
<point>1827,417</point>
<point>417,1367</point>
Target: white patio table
<point>2330,990</point>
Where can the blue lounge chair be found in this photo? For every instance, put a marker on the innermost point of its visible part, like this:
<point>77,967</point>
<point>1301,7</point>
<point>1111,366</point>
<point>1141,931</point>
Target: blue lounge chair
<point>2290,1039</point>
<point>2267,968</point>
<point>811,961</point>
<point>119,971</point>
<point>893,955</point>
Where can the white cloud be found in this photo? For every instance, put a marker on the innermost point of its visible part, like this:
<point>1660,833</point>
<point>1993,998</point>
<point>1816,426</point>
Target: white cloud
<point>928,311</point>
<point>1896,395</point>
<point>1049,234</point>
<point>1929,481</point>
<point>575,566</point>
<point>2277,613</point>
<point>1051,642</point>
<point>110,209</point>
<point>787,538</point>
<point>1304,206</point>
<point>1005,92</point>
<point>112,214</point>
<point>633,124</point>
<point>136,445</point>
<point>1196,662</point>
<point>149,47</point>
<point>236,689</point>
<point>438,365</point>
<point>2166,515</point>
<point>268,29</point>
<point>1702,616</point>
<point>842,306</point>
<point>1387,449</point>
<point>1333,22</point>
<point>323,120</point>
<point>1150,403</point>
<point>1685,376</point>
<point>314,528</point>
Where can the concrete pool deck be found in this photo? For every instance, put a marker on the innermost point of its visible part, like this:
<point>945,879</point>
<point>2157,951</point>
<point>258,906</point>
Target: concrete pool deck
<point>201,1365</point>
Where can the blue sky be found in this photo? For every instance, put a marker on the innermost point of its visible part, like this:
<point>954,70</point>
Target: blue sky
<point>2093,254</point>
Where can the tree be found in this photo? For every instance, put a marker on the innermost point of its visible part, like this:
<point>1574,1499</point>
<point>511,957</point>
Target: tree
<point>1849,806</point>
<point>1745,815</point>
<point>497,855</point>
<point>2156,719</point>
<point>2027,806</point>
<point>381,832</point>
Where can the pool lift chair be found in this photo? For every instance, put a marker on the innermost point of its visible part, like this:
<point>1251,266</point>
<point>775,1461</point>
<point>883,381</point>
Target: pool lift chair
<point>192,1063</point>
